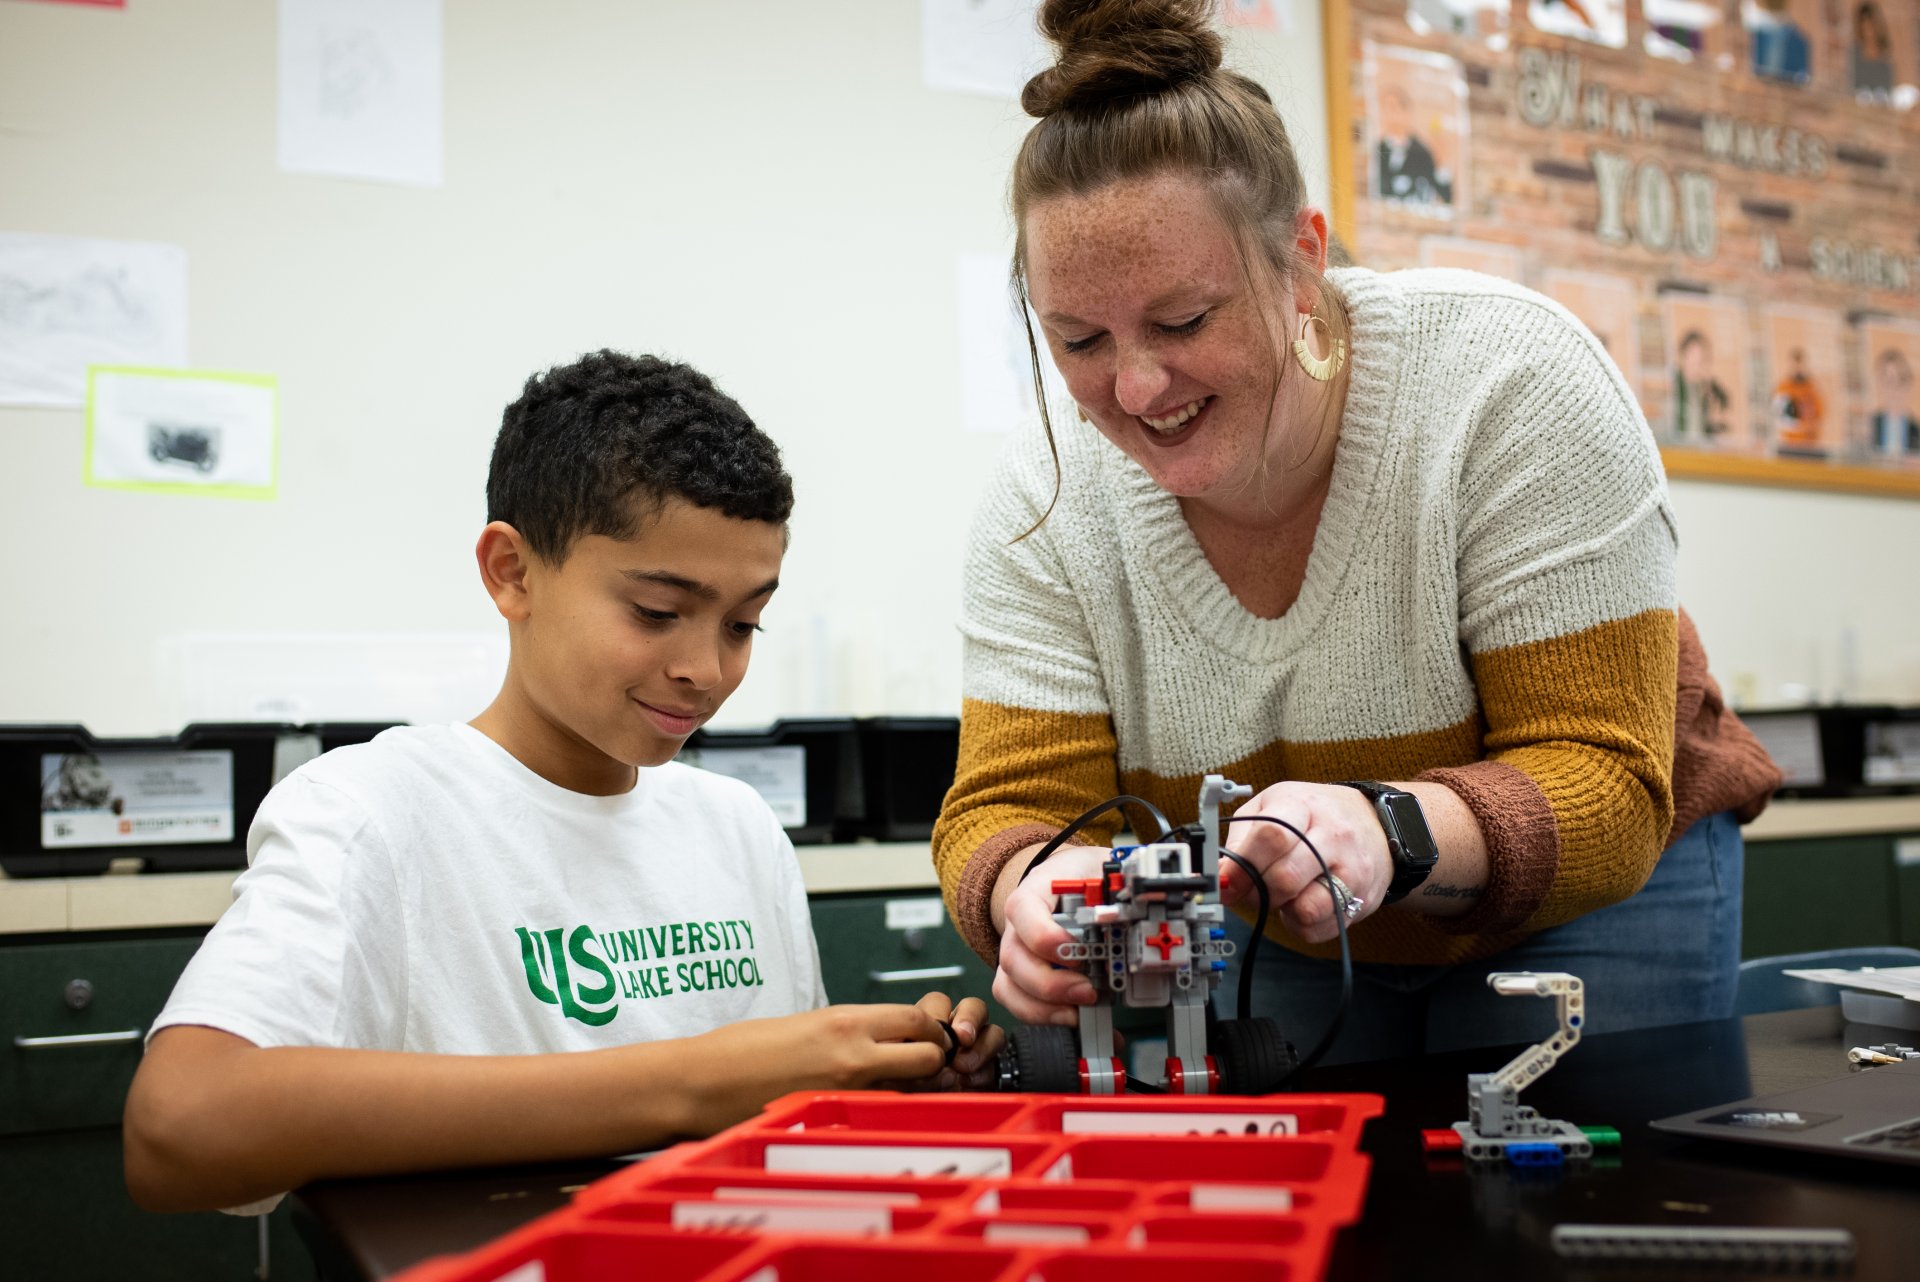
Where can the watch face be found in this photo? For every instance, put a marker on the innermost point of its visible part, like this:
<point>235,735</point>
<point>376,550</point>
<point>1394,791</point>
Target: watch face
<point>1411,824</point>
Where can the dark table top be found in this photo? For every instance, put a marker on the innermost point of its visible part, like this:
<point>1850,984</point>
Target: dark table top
<point>1423,1219</point>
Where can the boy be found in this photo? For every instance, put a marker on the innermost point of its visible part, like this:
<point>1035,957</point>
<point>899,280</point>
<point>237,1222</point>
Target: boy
<point>426,916</point>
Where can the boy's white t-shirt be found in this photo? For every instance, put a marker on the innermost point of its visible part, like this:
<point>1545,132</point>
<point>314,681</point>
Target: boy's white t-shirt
<point>427,892</point>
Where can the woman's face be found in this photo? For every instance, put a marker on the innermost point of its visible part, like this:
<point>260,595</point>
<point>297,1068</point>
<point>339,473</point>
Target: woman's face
<point>1167,347</point>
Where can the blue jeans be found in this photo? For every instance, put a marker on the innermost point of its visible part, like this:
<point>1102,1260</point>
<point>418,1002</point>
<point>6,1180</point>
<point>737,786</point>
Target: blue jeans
<point>1668,955</point>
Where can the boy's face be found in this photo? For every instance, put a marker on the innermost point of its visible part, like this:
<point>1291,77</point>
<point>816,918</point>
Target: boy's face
<point>628,645</point>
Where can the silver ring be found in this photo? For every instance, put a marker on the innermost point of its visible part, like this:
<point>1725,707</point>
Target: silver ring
<point>1349,903</point>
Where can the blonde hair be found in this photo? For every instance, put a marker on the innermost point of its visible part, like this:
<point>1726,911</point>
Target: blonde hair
<point>1137,90</point>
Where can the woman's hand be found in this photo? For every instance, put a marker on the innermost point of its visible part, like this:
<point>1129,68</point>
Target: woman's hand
<point>1032,982</point>
<point>1344,828</point>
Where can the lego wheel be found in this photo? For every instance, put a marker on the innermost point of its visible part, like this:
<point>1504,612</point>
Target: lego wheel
<point>1042,1059</point>
<point>1252,1057</point>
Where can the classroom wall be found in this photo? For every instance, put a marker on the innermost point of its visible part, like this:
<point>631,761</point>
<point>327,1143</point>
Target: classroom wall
<point>762,188</point>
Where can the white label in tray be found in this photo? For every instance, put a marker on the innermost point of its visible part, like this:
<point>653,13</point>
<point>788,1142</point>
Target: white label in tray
<point>817,1197</point>
<point>779,775</point>
<point>1150,1122</point>
<point>531,1271</point>
<point>791,1217</point>
<point>1241,1197</point>
<point>1011,1232</point>
<point>135,798</point>
<point>890,1159</point>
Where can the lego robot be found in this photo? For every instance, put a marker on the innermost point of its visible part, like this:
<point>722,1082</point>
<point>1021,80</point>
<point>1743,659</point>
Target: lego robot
<point>1498,1125</point>
<point>1150,931</point>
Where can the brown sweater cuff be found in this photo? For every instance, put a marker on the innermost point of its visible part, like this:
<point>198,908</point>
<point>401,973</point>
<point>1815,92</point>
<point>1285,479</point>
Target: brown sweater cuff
<point>1523,845</point>
<point>973,897</point>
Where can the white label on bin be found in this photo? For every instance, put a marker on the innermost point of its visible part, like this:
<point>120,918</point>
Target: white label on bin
<point>1906,852</point>
<point>531,1271</point>
<point>1150,1122</point>
<point>135,798</point>
<point>817,1197</point>
<point>1006,1232</point>
<point>1240,1197</point>
<point>890,1159</point>
<point>763,1217</point>
<point>916,914</point>
<point>1794,744</point>
<point>1893,752</point>
<point>779,775</point>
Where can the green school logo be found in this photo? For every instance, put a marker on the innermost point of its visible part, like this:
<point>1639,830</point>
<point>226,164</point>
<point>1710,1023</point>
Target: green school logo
<point>551,973</point>
<point>585,974</point>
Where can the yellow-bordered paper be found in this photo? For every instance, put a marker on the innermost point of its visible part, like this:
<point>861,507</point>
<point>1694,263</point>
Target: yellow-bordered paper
<point>210,433</point>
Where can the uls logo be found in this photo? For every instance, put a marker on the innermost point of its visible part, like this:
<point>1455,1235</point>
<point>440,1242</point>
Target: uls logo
<point>557,972</point>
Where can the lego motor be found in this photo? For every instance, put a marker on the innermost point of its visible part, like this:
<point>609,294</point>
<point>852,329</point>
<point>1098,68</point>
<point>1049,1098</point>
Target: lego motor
<point>1150,931</point>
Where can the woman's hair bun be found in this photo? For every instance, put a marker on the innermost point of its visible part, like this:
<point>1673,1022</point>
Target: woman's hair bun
<point>1120,48</point>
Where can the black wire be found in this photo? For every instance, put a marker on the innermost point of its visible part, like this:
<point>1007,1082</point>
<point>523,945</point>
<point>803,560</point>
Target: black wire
<point>1113,803</point>
<point>1340,924</point>
<point>1245,998</point>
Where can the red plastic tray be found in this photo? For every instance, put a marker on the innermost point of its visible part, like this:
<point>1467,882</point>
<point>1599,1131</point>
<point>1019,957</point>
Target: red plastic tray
<point>966,1188</point>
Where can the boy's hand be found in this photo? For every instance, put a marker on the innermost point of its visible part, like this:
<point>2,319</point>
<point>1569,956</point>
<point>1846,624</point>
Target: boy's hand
<point>975,1047</point>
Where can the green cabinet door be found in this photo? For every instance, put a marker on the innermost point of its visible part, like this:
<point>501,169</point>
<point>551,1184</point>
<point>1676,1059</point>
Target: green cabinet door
<point>864,958</point>
<point>73,1015</point>
<point>1809,894</point>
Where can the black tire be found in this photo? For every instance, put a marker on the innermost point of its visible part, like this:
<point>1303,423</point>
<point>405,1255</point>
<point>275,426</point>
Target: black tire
<point>1252,1057</point>
<point>1046,1059</point>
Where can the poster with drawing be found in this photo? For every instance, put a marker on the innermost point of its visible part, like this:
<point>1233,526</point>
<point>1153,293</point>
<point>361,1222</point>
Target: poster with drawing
<point>1703,387</point>
<point>1416,129</point>
<point>1471,255</point>
<point>1606,306</point>
<point>1601,22</point>
<point>1806,409</point>
<point>1882,43</point>
<point>989,47</point>
<point>1892,410</point>
<point>67,303</point>
<point>183,431</point>
<point>1784,43</point>
<point>1686,31</point>
<point>360,89</point>
<point>135,798</point>
<point>1482,20</point>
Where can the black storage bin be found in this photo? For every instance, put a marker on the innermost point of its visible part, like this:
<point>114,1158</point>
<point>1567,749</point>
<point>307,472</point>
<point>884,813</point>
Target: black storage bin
<point>1842,750</point>
<point>52,770</point>
<point>906,768</point>
<point>827,756</point>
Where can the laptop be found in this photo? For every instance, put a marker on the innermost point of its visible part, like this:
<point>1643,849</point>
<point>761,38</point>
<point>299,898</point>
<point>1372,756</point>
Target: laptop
<point>1873,1113</point>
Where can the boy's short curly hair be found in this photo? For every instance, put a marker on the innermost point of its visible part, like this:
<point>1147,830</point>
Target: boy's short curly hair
<point>596,446</point>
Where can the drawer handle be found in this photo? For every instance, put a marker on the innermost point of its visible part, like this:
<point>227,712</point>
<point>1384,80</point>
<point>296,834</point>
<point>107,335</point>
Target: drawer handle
<point>80,1039</point>
<point>908,976</point>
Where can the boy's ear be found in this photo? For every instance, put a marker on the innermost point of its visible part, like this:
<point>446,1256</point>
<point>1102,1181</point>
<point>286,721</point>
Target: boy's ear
<point>505,561</point>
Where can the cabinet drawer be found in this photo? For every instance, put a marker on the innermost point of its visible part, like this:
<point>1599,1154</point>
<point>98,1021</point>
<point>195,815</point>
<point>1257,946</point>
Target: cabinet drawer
<point>54,999</point>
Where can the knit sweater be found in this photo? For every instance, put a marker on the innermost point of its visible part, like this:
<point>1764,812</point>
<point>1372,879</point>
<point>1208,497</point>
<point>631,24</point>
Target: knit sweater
<point>1489,603</point>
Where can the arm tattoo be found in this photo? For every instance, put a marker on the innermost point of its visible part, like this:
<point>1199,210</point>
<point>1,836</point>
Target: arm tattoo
<point>1438,890</point>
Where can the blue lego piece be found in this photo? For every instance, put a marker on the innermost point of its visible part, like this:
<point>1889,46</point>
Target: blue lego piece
<point>1535,1154</point>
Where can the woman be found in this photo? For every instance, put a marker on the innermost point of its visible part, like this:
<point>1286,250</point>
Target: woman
<point>1328,525</point>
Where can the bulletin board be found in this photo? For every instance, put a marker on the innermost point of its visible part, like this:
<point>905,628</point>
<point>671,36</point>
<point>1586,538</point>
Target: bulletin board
<point>1727,192</point>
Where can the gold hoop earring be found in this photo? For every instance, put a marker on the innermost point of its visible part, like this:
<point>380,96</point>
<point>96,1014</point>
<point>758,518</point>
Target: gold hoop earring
<point>1319,368</point>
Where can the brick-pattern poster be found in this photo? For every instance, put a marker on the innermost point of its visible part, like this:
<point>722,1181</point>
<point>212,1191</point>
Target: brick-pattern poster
<point>1727,192</point>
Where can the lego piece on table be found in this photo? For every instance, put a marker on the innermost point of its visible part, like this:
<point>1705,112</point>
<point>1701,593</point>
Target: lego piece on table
<point>1795,1250</point>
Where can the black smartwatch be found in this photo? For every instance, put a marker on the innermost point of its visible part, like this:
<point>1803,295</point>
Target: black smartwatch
<point>1409,840</point>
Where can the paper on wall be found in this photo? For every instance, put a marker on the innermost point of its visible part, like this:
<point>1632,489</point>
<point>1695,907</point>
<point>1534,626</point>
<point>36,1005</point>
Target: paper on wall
<point>996,365</point>
<point>980,46</point>
<point>67,303</point>
<point>183,431</point>
<point>361,89</point>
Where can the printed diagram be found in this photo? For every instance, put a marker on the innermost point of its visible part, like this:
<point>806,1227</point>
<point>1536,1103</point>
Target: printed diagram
<point>355,75</point>
<point>196,447</point>
<point>67,303</point>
